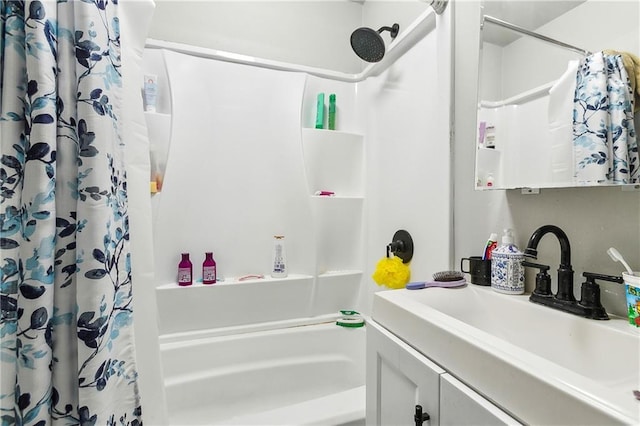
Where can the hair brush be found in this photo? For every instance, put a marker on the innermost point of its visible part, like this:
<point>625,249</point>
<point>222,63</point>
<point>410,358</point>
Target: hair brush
<point>440,279</point>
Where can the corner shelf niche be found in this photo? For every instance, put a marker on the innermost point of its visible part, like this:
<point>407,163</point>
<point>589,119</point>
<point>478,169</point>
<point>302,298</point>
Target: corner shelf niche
<point>334,162</point>
<point>159,130</point>
<point>488,161</point>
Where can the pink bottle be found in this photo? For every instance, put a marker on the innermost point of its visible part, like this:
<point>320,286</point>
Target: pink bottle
<point>209,269</point>
<point>185,271</point>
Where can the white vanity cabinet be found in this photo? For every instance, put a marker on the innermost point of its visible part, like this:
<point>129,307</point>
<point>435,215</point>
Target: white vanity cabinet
<point>399,378</point>
<point>462,406</point>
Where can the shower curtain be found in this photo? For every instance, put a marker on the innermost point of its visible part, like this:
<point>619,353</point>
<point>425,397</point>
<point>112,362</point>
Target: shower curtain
<point>604,138</point>
<point>66,338</point>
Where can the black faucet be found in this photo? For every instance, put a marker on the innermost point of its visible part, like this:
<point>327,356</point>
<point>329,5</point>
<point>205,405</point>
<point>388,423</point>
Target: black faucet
<point>589,305</point>
<point>565,272</point>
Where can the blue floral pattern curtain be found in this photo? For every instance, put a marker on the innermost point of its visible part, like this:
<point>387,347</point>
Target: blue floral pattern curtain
<point>604,137</point>
<point>66,338</point>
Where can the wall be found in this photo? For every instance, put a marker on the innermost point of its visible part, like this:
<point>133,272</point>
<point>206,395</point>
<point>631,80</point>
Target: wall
<point>593,34</point>
<point>305,32</point>
<point>593,218</point>
<point>408,156</point>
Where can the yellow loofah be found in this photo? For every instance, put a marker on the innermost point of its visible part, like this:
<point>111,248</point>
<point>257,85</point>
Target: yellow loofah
<point>391,272</point>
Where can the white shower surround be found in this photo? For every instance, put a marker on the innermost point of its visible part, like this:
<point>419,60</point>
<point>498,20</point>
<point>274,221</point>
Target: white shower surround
<point>404,115</point>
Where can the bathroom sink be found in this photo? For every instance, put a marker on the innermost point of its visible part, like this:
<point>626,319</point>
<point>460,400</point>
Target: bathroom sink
<point>543,366</point>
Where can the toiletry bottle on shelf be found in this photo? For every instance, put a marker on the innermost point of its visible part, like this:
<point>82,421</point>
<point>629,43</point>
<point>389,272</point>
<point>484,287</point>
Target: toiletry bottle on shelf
<point>320,111</point>
<point>490,136</point>
<point>490,180</point>
<point>507,272</point>
<point>482,129</point>
<point>279,269</point>
<point>208,269</point>
<point>185,271</point>
<point>332,111</point>
<point>150,91</point>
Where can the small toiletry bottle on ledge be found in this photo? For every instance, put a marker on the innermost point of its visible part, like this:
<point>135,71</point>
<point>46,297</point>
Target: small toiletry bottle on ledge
<point>279,269</point>
<point>490,180</point>
<point>209,269</point>
<point>482,128</point>
<point>507,272</point>
<point>332,111</point>
<point>320,111</point>
<point>185,271</point>
<point>150,91</point>
<point>490,136</point>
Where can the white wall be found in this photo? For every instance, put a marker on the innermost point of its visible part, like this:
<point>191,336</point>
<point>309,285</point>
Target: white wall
<point>407,134</point>
<point>491,72</point>
<point>235,175</point>
<point>583,27</point>
<point>593,218</point>
<point>305,32</point>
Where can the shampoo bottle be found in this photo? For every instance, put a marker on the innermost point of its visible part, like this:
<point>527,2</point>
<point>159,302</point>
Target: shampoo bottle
<point>208,269</point>
<point>332,111</point>
<point>507,272</point>
<point>320,111</point>
<point>279,269</point>
<point>150,91</point>
<point>185,271</point>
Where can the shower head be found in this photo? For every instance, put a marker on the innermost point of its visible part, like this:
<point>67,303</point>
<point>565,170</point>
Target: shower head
<point>368,44</point>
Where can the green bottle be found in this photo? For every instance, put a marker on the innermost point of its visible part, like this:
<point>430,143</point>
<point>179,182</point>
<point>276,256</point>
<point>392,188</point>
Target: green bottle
<point>332,111</point>
<point>320,111</point>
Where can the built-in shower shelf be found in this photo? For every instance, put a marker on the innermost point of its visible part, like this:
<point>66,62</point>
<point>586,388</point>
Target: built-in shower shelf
<point>330,133</point>
<point>338,197</point>
<point>487,163</point>
<point>160,115</point>
<point>334,161</point>
<point>232,303</point>
<point>235,281</point>
<point>159,132</point>
<point>341,273</point>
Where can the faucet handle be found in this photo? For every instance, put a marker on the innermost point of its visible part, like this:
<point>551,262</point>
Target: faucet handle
<point>590,276</point>
<point>590,294</point>
<point>543,279</point>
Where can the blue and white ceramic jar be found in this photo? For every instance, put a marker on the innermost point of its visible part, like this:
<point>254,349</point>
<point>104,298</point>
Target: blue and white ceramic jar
<point>507,272</point>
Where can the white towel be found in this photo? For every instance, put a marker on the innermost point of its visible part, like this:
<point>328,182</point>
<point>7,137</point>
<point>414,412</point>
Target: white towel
<point>560,114</point>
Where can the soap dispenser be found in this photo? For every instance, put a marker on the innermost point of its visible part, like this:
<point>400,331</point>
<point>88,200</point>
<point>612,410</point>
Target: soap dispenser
<point>507,271</point>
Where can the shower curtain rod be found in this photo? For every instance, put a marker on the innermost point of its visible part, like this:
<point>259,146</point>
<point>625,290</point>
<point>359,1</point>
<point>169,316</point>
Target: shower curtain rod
<point>516,28</point>
<point>407,38</point>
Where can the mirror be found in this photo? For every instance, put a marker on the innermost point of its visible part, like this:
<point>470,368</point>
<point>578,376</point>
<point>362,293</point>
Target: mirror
<point>517,133</point>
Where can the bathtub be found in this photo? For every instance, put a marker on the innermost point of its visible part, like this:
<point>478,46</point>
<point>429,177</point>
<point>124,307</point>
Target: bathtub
<point>305,373</point>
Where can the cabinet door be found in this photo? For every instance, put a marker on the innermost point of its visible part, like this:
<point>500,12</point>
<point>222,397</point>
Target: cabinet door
<point>461,406</point>
<point>398,379</point>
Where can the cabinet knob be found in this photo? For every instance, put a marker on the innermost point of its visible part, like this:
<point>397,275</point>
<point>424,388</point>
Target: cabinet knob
<point>420,417</point>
